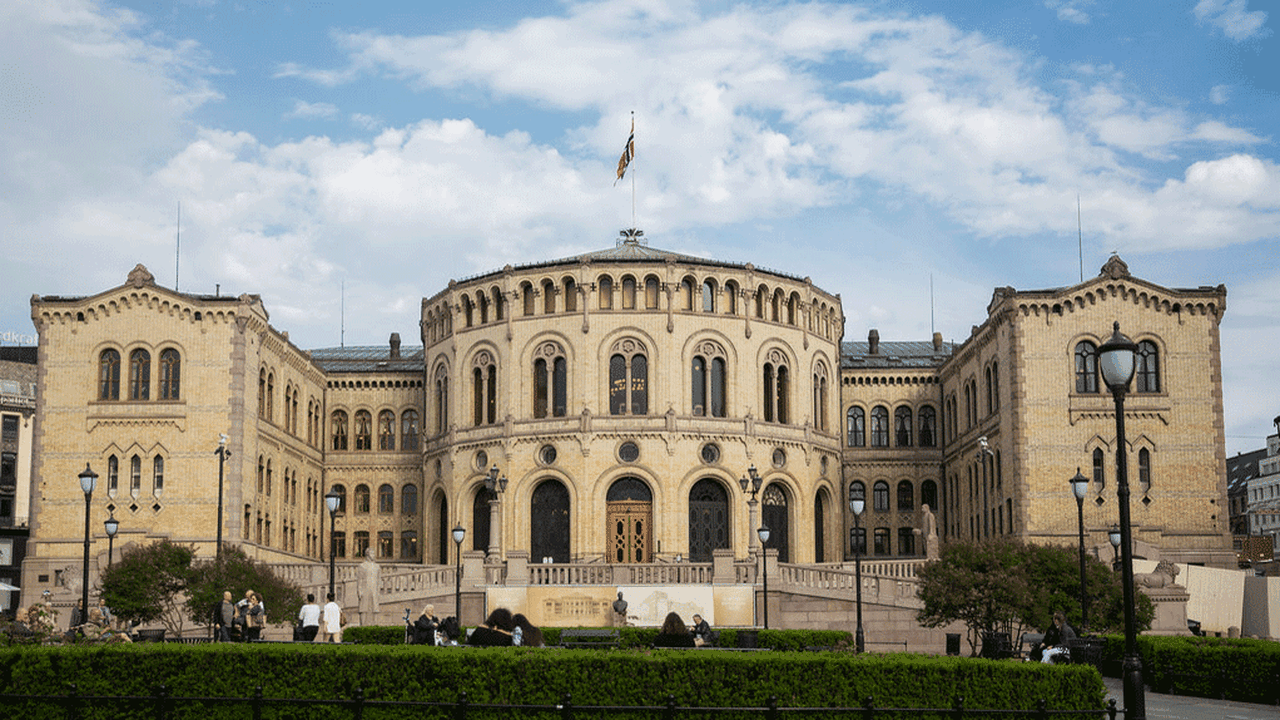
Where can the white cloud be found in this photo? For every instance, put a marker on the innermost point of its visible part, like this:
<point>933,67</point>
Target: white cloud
<point>303,110</point>
<point>1232,17</point>
<point>1072,11</point>
<point>366,122</point>
<point>1219,94</point>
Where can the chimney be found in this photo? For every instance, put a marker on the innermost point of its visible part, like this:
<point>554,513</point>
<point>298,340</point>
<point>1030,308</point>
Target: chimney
<point>937,342</point>
<point>395,346</point>
<point>873,342</point>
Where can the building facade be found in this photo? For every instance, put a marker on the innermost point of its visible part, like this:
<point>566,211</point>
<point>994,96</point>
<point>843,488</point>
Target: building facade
<point>17,411</point>
<point>625,406</point>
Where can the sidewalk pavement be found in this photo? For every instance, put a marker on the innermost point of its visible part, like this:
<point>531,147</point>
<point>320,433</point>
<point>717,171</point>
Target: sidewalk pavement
<point>1179,707</point>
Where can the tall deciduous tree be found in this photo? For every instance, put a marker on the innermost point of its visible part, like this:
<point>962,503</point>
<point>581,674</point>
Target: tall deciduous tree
<point>147,582</point>
<point>237,572</point>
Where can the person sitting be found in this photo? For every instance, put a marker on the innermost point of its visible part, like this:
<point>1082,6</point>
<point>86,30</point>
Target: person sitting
<point>1055,641</point>
<point>496,630</point>
<point>424,628</point>
<point>526,633</point>
<point>675,633</point>
<point>701,631</point>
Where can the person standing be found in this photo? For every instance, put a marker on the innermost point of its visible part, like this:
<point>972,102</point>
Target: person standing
<point>332,621</point>
<point>255,617</point>
<point>226,616</point>
<point>309,618</point>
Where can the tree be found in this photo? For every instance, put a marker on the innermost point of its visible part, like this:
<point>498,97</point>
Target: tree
<point>145,585</point>
<point>237,572</point>
<point>1006,586</point>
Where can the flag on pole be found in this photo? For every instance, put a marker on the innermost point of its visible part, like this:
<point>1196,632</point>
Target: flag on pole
<point>628,152</point>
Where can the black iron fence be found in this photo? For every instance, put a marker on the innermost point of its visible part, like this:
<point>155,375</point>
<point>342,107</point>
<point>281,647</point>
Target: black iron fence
<point>163,706</point>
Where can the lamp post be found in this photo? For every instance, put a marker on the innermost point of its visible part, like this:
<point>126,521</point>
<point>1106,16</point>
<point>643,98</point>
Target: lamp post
<point>1080,484</point>
<point>1114,537</point>
<point>1116,359</point>
<point>459,533</point>
<point>497,486</point>
<point>763,533</point>
<point>112,526</point>
<point>856,506</point>
<point>223,453</point>
<point>751,486</point>
<point>331,501</point>
<point>88,479</point>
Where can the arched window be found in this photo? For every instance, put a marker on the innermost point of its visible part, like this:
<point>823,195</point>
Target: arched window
<point>761,298</point>
<point>497,300</point>
<point>708,381</point>
<point>135,476</point>
<point>442,399</point>
<point>550,381</point>
<point>902,426</point>
<point>882,541</point>
<point>386,430</point>
<point>775,309</point>
<point>604,287</point>
<point>157,476</point>
<point>109,375</point>
<point>1147,373</point>
<point>409,500</point>
<point>339,429</point>
<point>880,496</point>
<point>731,298</point>
<point>820,396</point>
<point>570,295</point>
<point>628,379</point>
<point>409,430</point>
<point>708,296</point>
<point>793,308</point>
<point>777,390</point>
<point>341,492</point>
<point>856,426</point>
<point>928,426</point>
<point>1086,367</point>
<point>994,402</point>
<point>526,298</point>
<point>686,294</point>
<point>879,426</point>
<point>1099,471</point>
<point>271,396</point>
<point>409,545</point>
<point>262,393</point>
<point>364,430</point>
<point>548,297</point>
<point>361,499</point>
<point>484,389</point>
<point>906,541</point>
<point>467,310</point>
<point>1144,470</point>
<point>628,293</point>
<point>386,499</point>
<point>170,374</point>
<point>929,495</point>
<point>482,302</point>
<point>651,293</point>
<point>113,476</point>
<point>906,496</point>
<point>139,375</point>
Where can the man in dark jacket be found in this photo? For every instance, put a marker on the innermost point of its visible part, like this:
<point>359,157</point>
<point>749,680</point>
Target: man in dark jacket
<point>226,616</point>
<point>1055,640</point>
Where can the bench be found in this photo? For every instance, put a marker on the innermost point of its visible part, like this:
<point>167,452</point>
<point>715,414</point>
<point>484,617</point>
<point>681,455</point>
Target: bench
<point>589,638</point>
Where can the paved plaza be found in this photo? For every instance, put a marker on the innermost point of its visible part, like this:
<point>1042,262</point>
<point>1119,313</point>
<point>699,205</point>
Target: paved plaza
<point>1179,707</point>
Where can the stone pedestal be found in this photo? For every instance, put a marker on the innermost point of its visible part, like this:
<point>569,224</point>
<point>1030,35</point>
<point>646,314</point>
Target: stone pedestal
<point>1171,610</point>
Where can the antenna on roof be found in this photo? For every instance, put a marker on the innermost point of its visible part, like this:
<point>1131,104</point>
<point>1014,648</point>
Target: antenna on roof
<point>342,317</point>
<point>1080,236</point>
<point>177,251</point>
<point>931,327</point>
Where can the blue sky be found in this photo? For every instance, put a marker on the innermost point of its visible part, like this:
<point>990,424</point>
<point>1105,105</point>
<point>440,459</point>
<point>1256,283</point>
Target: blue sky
<point>378,149</point>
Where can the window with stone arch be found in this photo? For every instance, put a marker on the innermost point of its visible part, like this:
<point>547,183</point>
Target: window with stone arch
<point>548,297</point>
<point>879,426</point>
<point>484,389</point>
<point>468,312</point>
<point>1086,367</point>
<point>526,298</point>
<point>170,374</point>
<point>498,303</point>
<point>409,499</point>
<point>820,396</point>
<point>731,298</point>
<point>570,294</point>
<point>628,292</point>
<point>1144,471</point>
<point>360,499</point>
<point>386,430</point>
<point>902,423</point>
<point>338,431</point>
<point>928,426</point>
<point>550,381</point>
<point>856,426</point>
<point>363,430</point>
<point>482,303</point>
<point>651,287</point>
<point>386,499</point>
<point>880,496</point>
<point>906,496</point>
<point>604,288</point>
<point>707,380</point>
<point>762,294</point>
<point>1147,373</point>
<point>1099,471</point>
<point>409,430</point>
<point>777,387</point>
<point>628,378</point>
<point>793,308</point>
<point>686,293</point>
<point>709,296</point>
<point>775,308</point>
<point>109,375</point>
<point>139,375</point>
<point>441,389</point>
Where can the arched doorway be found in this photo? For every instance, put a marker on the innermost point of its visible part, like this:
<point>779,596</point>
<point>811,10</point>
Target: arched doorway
<point>820,504</point>
<point>708,519</point>
<point>775,517</point>
<point>444,536</point>
<point>480,520</point>
<point>629,521</point>
<point>549,522</point>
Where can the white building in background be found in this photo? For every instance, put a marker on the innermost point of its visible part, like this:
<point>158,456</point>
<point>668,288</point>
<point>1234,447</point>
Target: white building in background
<point>1264,494</point>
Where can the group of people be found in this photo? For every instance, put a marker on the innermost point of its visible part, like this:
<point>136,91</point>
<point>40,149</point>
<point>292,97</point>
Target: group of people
<point>676,634</point>
<point>243,621</point>
<point>502,628</point>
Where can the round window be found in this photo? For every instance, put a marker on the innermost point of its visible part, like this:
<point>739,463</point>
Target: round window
<point>779,457</point>
<point>547,454</point>
<point>482,460</point>
<point>711,453</point>
<point>628,452</point>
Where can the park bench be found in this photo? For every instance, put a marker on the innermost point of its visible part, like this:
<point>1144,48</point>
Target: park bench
<point>1087,651</point>
<point>589,638</point>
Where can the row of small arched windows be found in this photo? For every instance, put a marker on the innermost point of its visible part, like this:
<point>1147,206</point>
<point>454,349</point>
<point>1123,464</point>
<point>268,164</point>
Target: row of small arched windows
<point>361,436</point>
<point>168,383</point>
<point>907,431</point>
<point>880,499</point>
<point>361,499</point>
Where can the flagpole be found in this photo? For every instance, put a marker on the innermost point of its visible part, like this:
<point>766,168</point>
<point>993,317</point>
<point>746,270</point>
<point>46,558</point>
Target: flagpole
<point>633,178</point>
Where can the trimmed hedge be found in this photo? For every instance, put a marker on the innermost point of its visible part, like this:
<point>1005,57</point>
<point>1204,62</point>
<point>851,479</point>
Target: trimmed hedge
<point>527,676</point>
<point>641,637</point>
<point>1239,669</point>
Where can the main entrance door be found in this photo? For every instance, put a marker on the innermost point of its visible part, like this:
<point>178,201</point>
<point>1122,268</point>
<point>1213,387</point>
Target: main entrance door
<point>708,519</point>
<point>629,518</point>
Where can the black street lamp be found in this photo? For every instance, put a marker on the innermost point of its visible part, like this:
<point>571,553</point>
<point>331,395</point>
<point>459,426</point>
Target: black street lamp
<point>751,486</point>
<point>496,486</point>
<point>1116,360</point>
<point>88,479</point>
<point>459,534</point>
<point>112,526</point>
<point>223,453</point>
<point>856,506</point>
<point>1079,485</point>
<point>331,501</point>
<point>763,533</point>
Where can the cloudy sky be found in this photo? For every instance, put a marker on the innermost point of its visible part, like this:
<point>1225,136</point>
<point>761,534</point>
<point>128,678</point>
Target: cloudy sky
<point>372,151</point>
